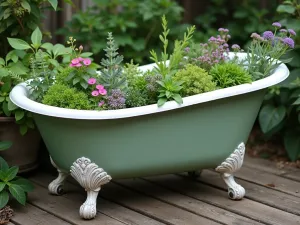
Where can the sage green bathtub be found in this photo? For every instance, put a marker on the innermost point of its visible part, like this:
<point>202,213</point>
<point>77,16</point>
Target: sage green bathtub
<point>185,139</point>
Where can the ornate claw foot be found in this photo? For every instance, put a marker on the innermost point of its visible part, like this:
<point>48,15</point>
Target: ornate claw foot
<point>232,164</point>
<point>56,186</point>
<point>91,178</point>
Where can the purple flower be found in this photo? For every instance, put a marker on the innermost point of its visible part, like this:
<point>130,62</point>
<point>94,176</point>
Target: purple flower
<point>187,49</point>
<point>276,24</point>
<point>116,100</point>
<point>226,30</point>
<point>289,41</point>
<point>283,30</point>
<point>268,35</point>
<point>221,29</point>
<point>292,32</point>
<point>236,47</point>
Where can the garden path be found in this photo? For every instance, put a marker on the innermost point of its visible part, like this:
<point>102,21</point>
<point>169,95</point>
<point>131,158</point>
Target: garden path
<point>272,197</point>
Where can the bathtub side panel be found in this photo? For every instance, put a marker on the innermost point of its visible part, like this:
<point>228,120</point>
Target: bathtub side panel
<point>189,138</point>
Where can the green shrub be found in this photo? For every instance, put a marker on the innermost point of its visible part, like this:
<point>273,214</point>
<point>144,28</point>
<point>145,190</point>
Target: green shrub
<point>196,80</point>
<point>229,74</point>
<point>137,94</point>
<point>62,96</point>
<point>62,75</point>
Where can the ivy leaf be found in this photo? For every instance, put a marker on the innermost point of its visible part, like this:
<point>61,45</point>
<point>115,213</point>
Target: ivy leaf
<point>270,116</point>
<point>292,144</point>
<point>4,197</point>
<point>19,114</point>
<point>11,173</point>
<point>18,44</point>
<point>26,5</point>
<point>5,145</point>
<point>25,184</point>
<point>36,37</point>
<point>53,3</point>
<point>18,193</point>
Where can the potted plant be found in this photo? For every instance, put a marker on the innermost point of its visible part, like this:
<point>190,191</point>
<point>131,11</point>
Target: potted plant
<point>18,20</point>
<point>11,185</point>
<point>191,109</point>
<point>16,124</point>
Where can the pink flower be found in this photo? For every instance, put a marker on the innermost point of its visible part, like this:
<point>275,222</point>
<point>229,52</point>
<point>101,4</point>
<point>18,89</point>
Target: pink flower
<point>99,87</point>
<point>95,93</point>
<point>80,59</point>
<point>101,103</point>
<point>92,81</point>
<point>75,61</point>
<point>77,65</point>
<point>87,62</point>
<point>102,92</point>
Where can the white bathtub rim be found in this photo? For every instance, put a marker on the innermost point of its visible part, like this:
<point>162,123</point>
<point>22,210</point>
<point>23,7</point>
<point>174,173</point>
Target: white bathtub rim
<point>19,96</point>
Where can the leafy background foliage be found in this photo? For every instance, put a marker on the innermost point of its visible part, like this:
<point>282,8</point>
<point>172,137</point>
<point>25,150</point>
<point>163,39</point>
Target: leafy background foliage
<point>135,24</point>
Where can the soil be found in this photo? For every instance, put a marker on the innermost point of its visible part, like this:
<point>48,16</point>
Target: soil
<point>272,149</point>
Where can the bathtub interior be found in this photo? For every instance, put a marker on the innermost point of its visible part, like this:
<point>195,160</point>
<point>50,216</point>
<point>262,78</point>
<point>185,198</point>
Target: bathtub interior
<point>190,138</point>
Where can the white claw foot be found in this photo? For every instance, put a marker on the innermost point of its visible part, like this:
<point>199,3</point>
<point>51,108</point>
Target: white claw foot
<point>91,178</point>
<point>56,186</point>
<point>232,164</point>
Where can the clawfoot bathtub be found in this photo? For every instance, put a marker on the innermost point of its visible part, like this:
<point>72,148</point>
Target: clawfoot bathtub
<point>208,130</point>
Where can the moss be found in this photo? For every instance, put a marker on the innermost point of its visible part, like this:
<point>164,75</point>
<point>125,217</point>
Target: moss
<point>196,80</point>
<point>229,74</point>
<point>62,96</point>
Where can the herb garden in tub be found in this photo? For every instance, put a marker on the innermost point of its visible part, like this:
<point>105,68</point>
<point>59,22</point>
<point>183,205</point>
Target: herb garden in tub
<point>189,110</point>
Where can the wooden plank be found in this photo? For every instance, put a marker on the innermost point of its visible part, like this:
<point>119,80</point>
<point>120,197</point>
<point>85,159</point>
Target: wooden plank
<point>269,180</point>
<point>111,209</point>
<point>245,207</point>
<point>64,208</point>
<point>31,215</point>
<point>267,166</point>
<point>293,175</point>
<point>154,208</point>
<point>257,193</point>
<point>187,203</point>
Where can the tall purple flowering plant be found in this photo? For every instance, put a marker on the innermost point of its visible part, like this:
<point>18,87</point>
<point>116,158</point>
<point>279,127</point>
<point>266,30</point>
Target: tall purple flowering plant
<point>265,51</point>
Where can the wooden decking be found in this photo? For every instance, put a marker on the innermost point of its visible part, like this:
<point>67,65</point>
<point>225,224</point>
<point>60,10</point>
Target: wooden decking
<point>272,197</point>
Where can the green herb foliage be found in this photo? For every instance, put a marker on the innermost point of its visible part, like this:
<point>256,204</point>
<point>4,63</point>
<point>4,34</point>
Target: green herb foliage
<point>65,97</point>
<point>196,80</point>
<point>169,89</point>
<point>175,58</point>
<point>137,93</point>
<point>111,74</point>
<point>229,74</point>
<point>10,183</point>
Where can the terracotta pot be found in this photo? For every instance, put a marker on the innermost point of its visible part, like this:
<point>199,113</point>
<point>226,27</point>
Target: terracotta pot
<point>24,151</point>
